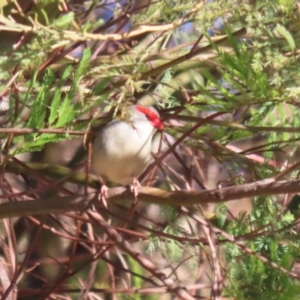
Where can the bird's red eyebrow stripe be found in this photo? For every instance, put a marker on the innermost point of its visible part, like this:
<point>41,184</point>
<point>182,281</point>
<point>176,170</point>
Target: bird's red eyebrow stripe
<point>146,110</point>
<point>152,116</point>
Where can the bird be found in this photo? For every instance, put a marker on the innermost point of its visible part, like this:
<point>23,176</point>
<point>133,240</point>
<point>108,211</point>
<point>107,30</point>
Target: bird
<point>122,148</point>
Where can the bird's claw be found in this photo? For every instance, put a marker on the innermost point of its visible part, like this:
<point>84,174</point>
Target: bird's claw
<point>134,186</point>
<point>103,195</point>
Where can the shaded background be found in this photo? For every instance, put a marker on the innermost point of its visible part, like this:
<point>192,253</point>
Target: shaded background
<point>230,66</point>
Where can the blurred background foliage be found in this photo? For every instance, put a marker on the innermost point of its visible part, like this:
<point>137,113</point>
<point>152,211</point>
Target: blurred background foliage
<point>225,78</point>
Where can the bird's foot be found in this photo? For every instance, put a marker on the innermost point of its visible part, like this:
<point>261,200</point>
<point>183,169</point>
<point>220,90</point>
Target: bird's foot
<point>134,190</point>
<point>103,194</point>
<point>134,186</point>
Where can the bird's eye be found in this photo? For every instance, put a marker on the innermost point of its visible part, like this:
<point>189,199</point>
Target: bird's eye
<point>147,116</point>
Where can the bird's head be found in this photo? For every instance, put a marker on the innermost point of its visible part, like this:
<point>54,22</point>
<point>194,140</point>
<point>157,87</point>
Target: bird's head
<point>148,113</point>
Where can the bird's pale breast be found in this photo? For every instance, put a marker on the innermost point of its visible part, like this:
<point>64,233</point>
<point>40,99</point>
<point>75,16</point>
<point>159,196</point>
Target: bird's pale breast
<point>122,151</point>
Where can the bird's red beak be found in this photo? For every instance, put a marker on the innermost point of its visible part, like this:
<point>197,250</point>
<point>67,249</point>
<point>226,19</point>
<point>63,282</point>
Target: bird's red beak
<point>157,123</point>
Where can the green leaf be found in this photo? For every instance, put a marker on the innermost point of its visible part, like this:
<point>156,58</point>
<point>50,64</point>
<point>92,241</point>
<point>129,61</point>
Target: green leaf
<point>67,72</point>
<point>54,107</point>
<point>65,112</point>
<point>37,142</point>
<point>101,85</point>
<point>286,34</point>
<point>83,65</point>
<point>39,106</point>
<point>64,20</point>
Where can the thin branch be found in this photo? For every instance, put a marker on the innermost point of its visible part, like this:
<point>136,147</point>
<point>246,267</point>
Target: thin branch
<point>150,195</point>
<point>19,131</point>
<point>179,291</point>
<point>233,125</point>
<point>8,25</point>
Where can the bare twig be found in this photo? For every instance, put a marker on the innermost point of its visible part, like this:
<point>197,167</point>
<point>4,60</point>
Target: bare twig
<point>145,263</point>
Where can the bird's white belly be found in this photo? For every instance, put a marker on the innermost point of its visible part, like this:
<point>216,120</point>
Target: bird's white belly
<point>123,157</point>
<point>121,170</point>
